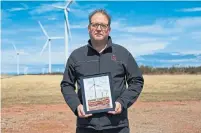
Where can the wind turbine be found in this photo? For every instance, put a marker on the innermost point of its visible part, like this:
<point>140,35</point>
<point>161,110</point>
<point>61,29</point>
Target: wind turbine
<point>66,26</point>
<point>25,70</point>
<point>48,42</point>
<point>18,57</point>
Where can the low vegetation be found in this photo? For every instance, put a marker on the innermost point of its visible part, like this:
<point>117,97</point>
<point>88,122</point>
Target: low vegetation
<point>45,89</point>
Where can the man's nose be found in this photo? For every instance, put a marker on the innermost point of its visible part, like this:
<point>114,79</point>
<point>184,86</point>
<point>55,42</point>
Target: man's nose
<point>99,27</point>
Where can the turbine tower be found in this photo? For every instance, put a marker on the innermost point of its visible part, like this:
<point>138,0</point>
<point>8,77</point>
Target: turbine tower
<point>48,43</point>
<point>18,57</point>
<point>66,26</point>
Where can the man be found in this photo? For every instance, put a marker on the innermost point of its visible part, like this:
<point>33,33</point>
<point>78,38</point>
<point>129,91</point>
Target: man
<point>100,55</point>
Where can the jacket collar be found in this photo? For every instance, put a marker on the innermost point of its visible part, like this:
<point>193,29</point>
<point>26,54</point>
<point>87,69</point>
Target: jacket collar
<point>109,43</point>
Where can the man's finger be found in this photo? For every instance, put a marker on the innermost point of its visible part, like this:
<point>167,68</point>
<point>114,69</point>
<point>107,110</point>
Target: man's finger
<point>79,113</point>
<point>88,115</point>
<point>82,112</point>
<point>112,112</point>
<point>118,111</point>
<point>117,108</point>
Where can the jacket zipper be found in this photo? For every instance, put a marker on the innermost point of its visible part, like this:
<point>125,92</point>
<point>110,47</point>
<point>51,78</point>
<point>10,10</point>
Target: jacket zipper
<point>99,62</point>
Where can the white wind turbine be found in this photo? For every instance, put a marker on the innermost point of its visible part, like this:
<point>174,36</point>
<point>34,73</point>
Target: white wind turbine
<point>66,25</point>
<point>48,42</point>
<point>26,70</point>
<point>18,57</point>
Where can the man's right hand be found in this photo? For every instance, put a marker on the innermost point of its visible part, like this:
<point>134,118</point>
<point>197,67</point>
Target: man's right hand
<point>81,112</point>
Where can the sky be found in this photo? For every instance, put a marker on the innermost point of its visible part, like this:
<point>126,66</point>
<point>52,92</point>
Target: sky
<point>159,34</point>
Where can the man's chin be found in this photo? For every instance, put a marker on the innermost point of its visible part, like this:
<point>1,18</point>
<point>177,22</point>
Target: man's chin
<point>99,38</point>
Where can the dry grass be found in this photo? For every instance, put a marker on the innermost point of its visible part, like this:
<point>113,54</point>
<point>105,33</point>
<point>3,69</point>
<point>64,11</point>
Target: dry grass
<point>171,88</point>
<point>46,89</point>
<point>31,90</point>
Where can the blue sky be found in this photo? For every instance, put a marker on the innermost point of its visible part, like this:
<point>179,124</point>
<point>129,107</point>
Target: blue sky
<point>156,33</point>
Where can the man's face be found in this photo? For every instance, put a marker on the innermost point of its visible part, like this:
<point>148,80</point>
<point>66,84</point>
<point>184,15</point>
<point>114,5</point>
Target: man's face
<point>99,28</point>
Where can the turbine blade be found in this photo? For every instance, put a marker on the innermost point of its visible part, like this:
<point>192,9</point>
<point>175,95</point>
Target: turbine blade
<point>60,7</point>
<point>14,47</point>
<point>69,32</point>
<point>43,29</point>
<point>57,37</point>
<point>68,3</point>
<point>44,47</point>
<point>67,24</point>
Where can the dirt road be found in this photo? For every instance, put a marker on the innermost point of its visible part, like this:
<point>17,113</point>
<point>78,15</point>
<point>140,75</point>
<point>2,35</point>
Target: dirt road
<point>145,117</point>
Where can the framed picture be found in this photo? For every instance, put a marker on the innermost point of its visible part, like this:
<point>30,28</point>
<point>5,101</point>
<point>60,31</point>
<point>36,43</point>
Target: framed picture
<point>97,93</point>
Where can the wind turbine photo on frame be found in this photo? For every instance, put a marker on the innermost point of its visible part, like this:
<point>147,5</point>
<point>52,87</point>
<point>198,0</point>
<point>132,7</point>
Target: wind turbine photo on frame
<point>97,93</point>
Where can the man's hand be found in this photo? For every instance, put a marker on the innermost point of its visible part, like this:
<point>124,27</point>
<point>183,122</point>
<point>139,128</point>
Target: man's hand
<point>118,109</point>
<point>81,112</point>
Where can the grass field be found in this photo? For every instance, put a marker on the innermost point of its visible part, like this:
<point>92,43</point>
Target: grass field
<point>34,104</point>
<point>46,89</point>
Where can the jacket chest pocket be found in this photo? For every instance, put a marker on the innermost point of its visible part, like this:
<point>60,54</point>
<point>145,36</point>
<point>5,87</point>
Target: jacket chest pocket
<point>84,68</point>
<point>118,68</point>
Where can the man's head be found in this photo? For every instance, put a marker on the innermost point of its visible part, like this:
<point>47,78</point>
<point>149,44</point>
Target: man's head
<point>99,25</point>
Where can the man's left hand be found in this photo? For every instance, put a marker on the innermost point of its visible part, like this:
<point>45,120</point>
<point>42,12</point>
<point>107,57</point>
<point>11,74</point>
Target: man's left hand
<point>118,109</point>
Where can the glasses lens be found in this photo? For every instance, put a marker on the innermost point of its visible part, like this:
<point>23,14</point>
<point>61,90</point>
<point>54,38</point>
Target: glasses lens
<point>96,25</point>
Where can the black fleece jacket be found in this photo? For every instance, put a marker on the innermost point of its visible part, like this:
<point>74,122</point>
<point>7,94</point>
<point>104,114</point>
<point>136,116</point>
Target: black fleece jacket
<point>123,68</point>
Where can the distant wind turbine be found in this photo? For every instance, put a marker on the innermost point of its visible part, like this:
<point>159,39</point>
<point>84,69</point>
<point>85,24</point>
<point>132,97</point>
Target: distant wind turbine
<point>18,57</point>
<point>25,70</point>
<point>48,43</point>
<point>66,25</point>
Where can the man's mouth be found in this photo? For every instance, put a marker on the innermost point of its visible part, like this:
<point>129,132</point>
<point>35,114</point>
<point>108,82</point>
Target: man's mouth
<point>98,34</point>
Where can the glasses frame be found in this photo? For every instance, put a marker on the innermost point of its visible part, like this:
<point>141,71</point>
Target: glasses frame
<point>99,24</point>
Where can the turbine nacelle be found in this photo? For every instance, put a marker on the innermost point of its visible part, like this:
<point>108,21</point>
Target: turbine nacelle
<point>18,52</point>
<point>68,9</point>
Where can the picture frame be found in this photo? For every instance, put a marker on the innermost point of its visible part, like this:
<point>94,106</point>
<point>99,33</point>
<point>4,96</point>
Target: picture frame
<point>97,93</point>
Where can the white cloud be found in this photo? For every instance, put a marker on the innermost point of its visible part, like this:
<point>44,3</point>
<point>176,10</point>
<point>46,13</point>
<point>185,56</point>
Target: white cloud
<point>196,9</point>
<point>119,23</point>
<point>167,26</point>
<point>188,22</point>
<point>5,16</point>
<point>81,11</point>
<point>76,9</point>
<point>8,41</point>
<point>9,57</point>
<point>81,25</point>
<point>196,35</point>
<point>179,60</point>
<point>153,29</point>
<point>7,32</point>
<point>148,48</point>
<point>24,5</point>
<point>16,9</point>
<point>140,45</point>
<point>22,8</point>
<point>52,18</point>
<point>20,30</point>
<point>195,52</point>
<point>44,8</point>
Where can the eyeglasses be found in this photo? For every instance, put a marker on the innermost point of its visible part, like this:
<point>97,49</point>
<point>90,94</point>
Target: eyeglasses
<point>103,26</point>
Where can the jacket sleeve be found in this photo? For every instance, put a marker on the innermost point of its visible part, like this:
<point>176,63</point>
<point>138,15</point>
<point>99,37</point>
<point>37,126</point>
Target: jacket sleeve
<point>135,83</point>
<point>68,86</point>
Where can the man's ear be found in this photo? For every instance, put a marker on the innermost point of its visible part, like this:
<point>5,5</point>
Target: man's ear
<point>109,29</point>
<point>88,28</point>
